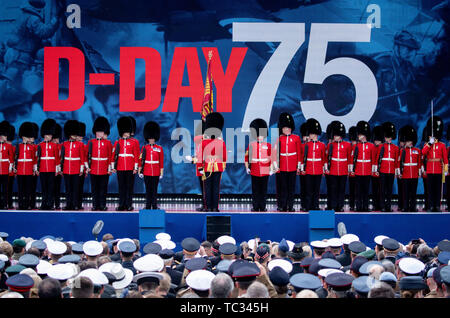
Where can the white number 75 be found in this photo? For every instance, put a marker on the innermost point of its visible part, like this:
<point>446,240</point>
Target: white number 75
<point>291,36</point>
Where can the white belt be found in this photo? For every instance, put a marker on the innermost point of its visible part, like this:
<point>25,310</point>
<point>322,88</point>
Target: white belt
<point>47,158</point>
<point>311,159</point>
<point>340,160</point>
<point>410,164</point>
<point>24,160</point>
<point>151,162</point>
<point>4,160</point>
<point>126,155</point>
<point>260,160</point>
<point>388,159</point>
<point>288,154</point>
<point>359,160</point>
<point>101,159</point>
<point>70,158</point>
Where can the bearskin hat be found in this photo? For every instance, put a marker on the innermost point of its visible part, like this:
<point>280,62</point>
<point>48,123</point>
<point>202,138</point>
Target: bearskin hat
<point>58,131</point>
<point>101,124</point>
<point>313,126</point>
<point>48,127</point>
<point>11,133</point>
<point>389,130</point>
<point>71,128</point>
<point>337,129</point>
<point>26,130</point>
<point>363,128</point>
<point>4,128</point>
<point>151,131</point>
<point>435,127</point>
<point>304,130</point>
<point>213,121</point>
<point>408,133</point>
<point>286,120</point>
<point>353,133</point>
<point>124,125</point>
<point>258,128</point>
<point>378,133</point>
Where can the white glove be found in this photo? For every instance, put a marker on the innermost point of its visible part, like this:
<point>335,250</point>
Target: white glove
<point>10,167</point>
<point>302,167</point>
<point>160,177</point>
<point>270,172</point>
<point>58,168</point>
<point>248,171</point>
<point>141,175</point>
<point>34,168</point>
<point>432,140</point>
<point>188,158</point>
<point>397,171</point>
<point>350,168</point>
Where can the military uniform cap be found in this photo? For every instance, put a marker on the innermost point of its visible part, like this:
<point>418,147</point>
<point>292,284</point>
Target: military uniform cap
<point>147,277</point>
<point>122,276</point>
<point>152,248</point>
<point>412,283</point>
<point>411,265</point>
<point>77,248</point>
<point>302,281</point>
<point>190,244</point>
<point>14,269</point>
<point>390,244</point>
<point>444,246</point>
<point>4,235</point>
<point>444,258</point>
<point>127,247</point>
<point>324,272</point>
<point>166,253</point>
<point>2,265</point>
<point>20,283</point>
<point>357,262</point>
<point>246,271</point>
<point>280,262</point>
<point>258,128</point>
<point>61,272</point>
<point>348,238</point>
<point>334,242</point>
<point>101,124</point>
<point>445,274</point>
<point>361,285</point>
<point>339,281</point>
<point>283,246</point>
<point>29,260</point>
<point>149,263</point>
<point>19,242</point>
<point>40,245</point>
<point>163,236</point>
<point>365,267</point>
<point>306,262</point>
<point>227,249</point>
<point>196,263</point>
<point>72,258</point>
<point>151,131</point>
<point>43,267</point>
<point>262,252</point>
<point>48,127</point>
<point>319,244</point>
<point>92,248</point>
<point>379,239</point>
<point>200,279</point>
<point>96,276</point>
<point>236,263</point>
<point>388,277</point>
<point>314,267</point>
<point>57,248</point>
<point>329,263</point>
<point>278,276</point>
<point>369,254</point>
<point>357,247</point>
<point>297,251</point>
<point>124,125</point>
<point>226,239</point>
<point>224,265</point>
<point>166,244</point>
<point>71,128</point>
<point>328,254</point>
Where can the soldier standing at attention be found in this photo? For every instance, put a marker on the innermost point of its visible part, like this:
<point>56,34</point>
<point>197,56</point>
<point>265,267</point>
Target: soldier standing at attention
<point>304,140</point>
<point>6,163</point>
<point>378,137</point>
<point>58,178</point>
<point>352,136</point>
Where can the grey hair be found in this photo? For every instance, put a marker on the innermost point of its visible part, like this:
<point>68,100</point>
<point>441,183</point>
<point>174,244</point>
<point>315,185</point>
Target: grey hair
<point>257,290</point>
<point>221,286</point>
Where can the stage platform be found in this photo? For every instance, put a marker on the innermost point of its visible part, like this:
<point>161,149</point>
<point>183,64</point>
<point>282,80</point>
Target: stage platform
<point>180,220</point>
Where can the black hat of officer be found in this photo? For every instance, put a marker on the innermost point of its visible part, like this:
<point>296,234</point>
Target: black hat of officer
<point>48,127</point>
<point>337,129</point>
<point>286,120</point>
<point>11,133</point>
<point>435,127</point>
<point>4,128</point>
<point>328,131</point>
<point>352,133</point>
<point>313,126</point>
<point>133,125</point>
<point>389,130</point>
<point>304,130</point>
<point>124,125</point>
<point>35,130</point>
<point>377,133</point>
<point>58,131</point>
<point>363,128</point>
<point>408,134</point>
<point>101,124</point>
<point>26,130</point>
<point>81,129</point>
<point>213,123</point>
<point>151,131</point>
<point>71,128</point>
<point>448,132</point>
<point>258,127</point>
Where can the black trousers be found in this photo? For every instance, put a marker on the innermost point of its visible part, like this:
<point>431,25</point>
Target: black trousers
<point>409,194</point>
<point>362,184</point>
<point>259,192</point>
<point>336,192</point>
<point>34,182</point>
<point>126,188</point>
<point>351,192</point>
<point>425,193</point>
<point>58,180</point>
<point>312,191</point>
<point>151,189</point>
<point>203,191</point>
<point>303,191</point>
<point>99,189</point>
<point>48,189</point>
<point>376,197</point>
<point>286,189</point>
<point>25,191</point>
<point>3,191</point>
<point>434,185</point>
<point>72,183</point>
<point>211,186</point>
<point>81,190</point>
<point>401,194</point>
<point>386,185</point>
<point>327,181</point>
<point>10,191</point>
<point>447,182</point>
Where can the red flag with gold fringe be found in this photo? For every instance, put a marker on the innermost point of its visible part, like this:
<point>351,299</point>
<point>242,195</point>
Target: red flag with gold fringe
<point>208,97</point>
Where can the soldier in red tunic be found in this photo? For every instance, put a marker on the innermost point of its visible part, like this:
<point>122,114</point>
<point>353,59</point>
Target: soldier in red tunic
<point>126,163</point>
<point>48,164</point>
<point>257,163</point>
<point>410,164</point>
<point>58,178</point>
<point>447,180</point>
<point>377,139</point>
<point>304,140</point>
<point>314,164</point>
<point>35,175</point>
<point>388,165</point>
<point>364,164</point>
<point>286,162</point>
<point>152,164</point>
<point>436,155</point>
<point>25,165</point>
<point>6,163</point>
<point>10,138</point>
<point>73,159</point>
<point>99,161</point>
<point>339,163</point>
<point>353,137</point>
